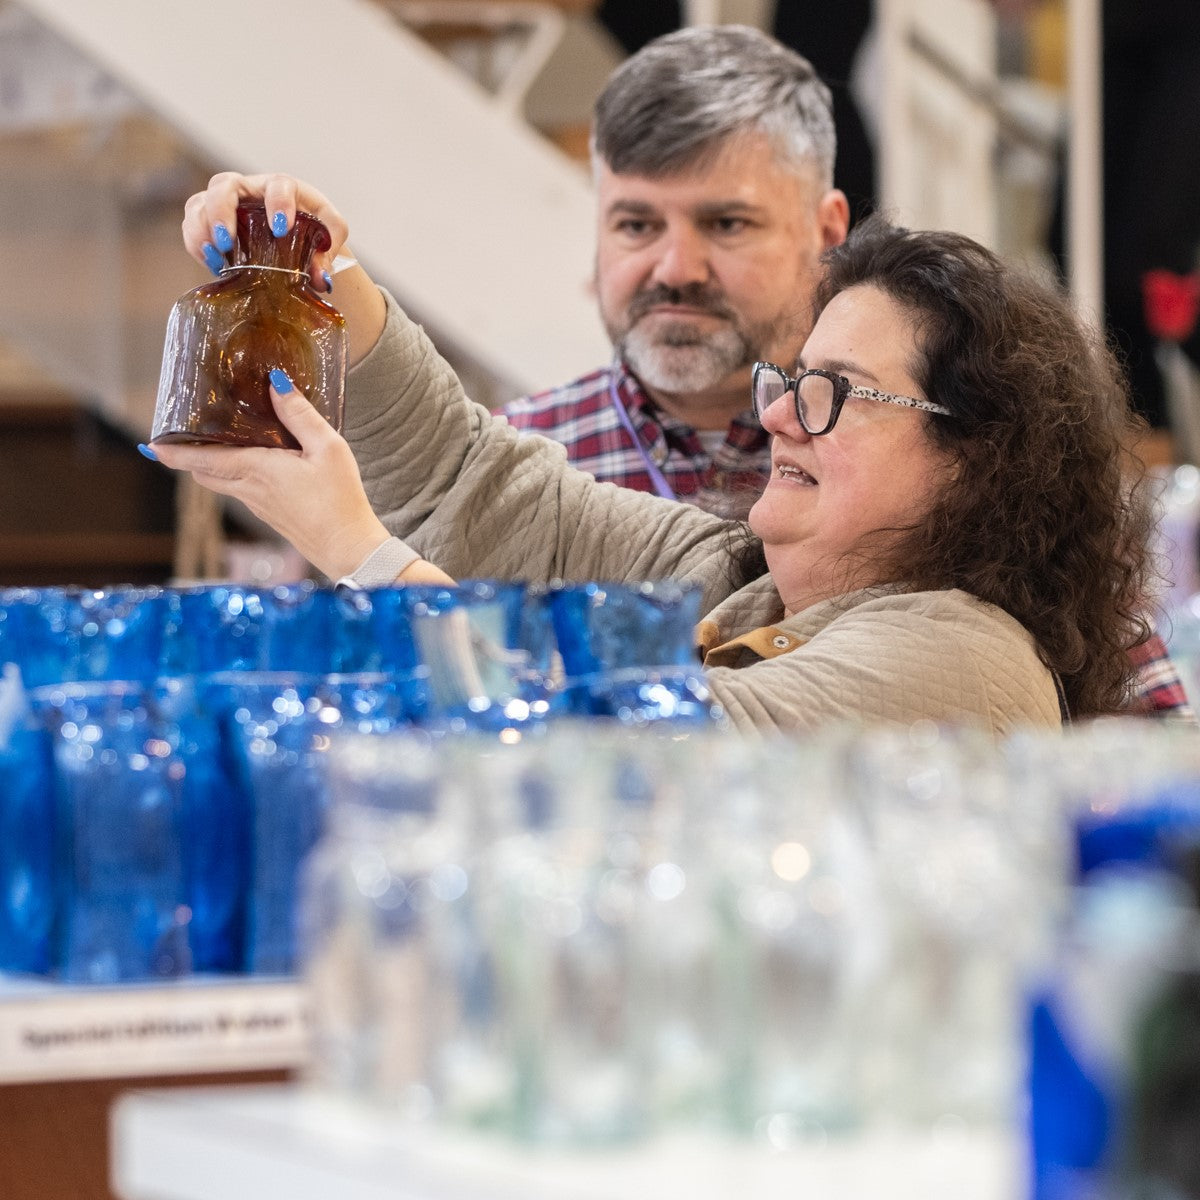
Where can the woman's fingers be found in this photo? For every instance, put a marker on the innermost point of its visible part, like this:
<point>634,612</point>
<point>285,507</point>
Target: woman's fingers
<point>210,217</point>
<point>224,469</point>
<point>312,496</point>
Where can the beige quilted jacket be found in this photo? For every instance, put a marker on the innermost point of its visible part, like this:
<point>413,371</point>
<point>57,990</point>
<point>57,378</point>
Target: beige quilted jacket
<point>481,502</point>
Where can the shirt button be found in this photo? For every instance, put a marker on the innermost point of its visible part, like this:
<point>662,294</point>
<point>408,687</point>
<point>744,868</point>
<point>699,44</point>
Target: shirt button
<point>781,641</point>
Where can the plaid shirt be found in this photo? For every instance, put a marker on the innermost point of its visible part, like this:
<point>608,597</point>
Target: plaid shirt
<point>1160,690</point>
<point>581,416</point>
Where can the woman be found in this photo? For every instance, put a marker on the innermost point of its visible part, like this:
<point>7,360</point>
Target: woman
<point>946,533</point>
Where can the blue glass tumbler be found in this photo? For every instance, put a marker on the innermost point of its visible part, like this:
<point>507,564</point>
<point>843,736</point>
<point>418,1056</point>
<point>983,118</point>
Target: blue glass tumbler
<point>611,626</point>
<point>371,631</point>
<point>628,652</point>
<point>275,742</point>
<point>121,900</point>
<point>213,627</point>
<point>215,821</point>
<point>13,604</point>
<point>26,849</point>
<point>37,635</point>
<point>487,647</point>
<point>298,632</point>
<point>76,635</point>
<point>119,632</point>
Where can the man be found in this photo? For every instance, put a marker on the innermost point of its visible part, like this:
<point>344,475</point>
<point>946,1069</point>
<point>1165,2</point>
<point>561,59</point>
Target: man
<point>713,157</point>
<point>712,150</point>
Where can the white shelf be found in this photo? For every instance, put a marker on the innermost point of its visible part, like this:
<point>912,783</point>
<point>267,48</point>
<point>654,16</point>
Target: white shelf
<point>250,1142</point>
<point>54,1031</point>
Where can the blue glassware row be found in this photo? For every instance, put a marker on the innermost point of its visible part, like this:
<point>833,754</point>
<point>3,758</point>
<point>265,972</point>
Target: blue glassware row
<point>152,825</point>
<point>149,832</point>
<point>505,630</point>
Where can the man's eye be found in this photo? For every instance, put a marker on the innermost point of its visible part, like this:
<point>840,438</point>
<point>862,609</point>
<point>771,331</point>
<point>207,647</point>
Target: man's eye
<point>730,224</point>
<point>633,228</point>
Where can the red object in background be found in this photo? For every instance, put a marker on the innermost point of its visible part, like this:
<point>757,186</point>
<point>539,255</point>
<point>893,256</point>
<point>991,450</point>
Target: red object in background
<point>1172,303</point>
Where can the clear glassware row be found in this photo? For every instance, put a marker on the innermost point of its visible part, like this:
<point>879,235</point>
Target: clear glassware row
<point>582,935</point>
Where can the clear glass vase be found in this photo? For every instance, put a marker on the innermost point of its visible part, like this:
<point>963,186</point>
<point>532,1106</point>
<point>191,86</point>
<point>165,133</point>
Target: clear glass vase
<point>224,338</point>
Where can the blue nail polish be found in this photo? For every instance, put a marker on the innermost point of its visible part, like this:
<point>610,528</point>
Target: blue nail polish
<point>279,224</point>
<point>325,275</point>
<point>222,237</point>
<point>215,262</point>
<point>146,452</point>
<point>280,381</point>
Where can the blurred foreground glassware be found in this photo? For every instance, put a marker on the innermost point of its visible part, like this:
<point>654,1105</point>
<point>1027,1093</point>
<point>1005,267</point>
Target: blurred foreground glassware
<point>559,892</point>
<point>639,697</point>
<point>371,630</point>
<point>1158,1152</point>
<point>802,942</point>
<point>298,628</point>
<point>579,932</point>
<point>12,610</point>
<point>1130,793</point>
<point>121,911</point>
<point>971,900</point>
<point>277,746</point>
<point>683,1030</point>
<point>378,928</point>
<point>238,627</point>
<point>224,338</point>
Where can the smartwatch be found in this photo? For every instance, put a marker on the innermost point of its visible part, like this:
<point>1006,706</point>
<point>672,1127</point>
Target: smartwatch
<point>381,567</point>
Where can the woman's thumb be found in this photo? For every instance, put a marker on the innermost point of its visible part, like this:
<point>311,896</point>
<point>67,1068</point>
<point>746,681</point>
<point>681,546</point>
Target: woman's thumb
<point>299,417</point>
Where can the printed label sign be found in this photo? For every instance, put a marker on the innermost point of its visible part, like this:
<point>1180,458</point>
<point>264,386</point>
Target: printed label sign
<point>81,1033</point>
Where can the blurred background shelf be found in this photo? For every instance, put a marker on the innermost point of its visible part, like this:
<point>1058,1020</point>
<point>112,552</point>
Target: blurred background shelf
<point>78,505</point>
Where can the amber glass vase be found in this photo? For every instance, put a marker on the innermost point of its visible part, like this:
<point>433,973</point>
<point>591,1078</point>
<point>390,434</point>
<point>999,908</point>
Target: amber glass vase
<point>223,339</point>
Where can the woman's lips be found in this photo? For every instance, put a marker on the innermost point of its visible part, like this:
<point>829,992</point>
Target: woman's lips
<point>795,474</point>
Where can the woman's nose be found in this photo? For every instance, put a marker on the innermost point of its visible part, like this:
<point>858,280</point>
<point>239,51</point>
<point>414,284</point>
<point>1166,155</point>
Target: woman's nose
<point>780,418</point>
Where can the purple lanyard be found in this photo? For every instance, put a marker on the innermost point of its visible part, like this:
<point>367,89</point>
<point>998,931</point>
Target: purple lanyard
<point>661,486</point>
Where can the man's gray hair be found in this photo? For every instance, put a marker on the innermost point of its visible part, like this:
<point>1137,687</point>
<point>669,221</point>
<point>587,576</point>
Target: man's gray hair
<point>676,101</point>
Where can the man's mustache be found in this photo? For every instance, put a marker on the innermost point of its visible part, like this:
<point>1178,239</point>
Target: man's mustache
<point>692,295</point>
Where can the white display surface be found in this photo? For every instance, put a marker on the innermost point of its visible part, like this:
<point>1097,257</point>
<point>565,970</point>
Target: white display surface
<point>54,1031</point>
<point>247,1143</point>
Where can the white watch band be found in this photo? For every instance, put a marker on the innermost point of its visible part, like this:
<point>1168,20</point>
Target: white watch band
<point>382,566</point>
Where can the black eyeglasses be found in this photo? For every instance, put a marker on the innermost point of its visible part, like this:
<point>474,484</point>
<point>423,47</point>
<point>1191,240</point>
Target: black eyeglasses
<point>819,396</point>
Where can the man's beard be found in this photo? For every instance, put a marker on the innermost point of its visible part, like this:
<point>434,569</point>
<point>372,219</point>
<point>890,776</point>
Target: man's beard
<point>675,356</point>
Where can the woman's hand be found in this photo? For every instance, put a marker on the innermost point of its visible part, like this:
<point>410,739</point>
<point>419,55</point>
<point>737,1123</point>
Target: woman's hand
<point>210,217</point>
<point>313,496</point>
<point>210,229</point>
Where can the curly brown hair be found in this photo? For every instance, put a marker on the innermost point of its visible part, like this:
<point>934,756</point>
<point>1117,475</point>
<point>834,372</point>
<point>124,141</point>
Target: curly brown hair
<point>1045,516</point>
